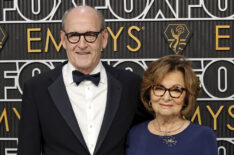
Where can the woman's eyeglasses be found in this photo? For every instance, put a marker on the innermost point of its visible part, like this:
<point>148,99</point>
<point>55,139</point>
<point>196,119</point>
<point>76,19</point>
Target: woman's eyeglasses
<point>174,92</point>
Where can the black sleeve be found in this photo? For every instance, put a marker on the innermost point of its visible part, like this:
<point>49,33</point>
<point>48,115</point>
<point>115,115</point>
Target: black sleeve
<point>29,126</point>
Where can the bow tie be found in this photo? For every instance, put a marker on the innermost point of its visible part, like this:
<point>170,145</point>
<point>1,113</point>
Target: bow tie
<point>78,77</point>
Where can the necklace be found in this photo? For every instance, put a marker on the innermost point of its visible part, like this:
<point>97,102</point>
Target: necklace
<point>170,140</point>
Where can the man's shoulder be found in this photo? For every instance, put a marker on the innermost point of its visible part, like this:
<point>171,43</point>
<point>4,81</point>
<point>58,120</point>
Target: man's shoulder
<point>121,73</point>
<point>45,77</point>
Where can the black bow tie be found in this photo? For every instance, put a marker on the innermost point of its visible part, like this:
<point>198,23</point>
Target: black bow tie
<point>78,77</point>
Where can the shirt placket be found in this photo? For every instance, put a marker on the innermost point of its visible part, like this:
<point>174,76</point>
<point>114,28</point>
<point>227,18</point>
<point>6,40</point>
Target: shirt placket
<point>90,123</point>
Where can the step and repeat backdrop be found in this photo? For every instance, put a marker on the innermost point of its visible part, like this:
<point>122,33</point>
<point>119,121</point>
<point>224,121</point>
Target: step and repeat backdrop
<point>140,31</point>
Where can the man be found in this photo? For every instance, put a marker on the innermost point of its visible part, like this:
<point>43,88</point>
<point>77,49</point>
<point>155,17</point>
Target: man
<point>83,106</point>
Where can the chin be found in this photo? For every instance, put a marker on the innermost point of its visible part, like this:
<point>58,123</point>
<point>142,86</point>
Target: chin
<point>163,114</point>
<point>81,63</point>
<point>83,66</point>
<point>166,113</point>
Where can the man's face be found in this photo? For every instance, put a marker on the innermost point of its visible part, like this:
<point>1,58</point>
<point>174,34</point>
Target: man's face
<point>84,56</point>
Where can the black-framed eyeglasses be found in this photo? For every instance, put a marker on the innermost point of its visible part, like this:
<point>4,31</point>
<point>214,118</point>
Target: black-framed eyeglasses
<point>90,36</point>
<point>175,91</point>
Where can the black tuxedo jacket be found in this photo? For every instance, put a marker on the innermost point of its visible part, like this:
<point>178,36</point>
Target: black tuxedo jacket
<point>48,123</point>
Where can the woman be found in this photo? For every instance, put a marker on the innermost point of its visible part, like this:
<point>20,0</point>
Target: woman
<point>169,89</point>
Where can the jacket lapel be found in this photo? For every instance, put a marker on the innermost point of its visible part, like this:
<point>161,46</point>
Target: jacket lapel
<point>113,101</point>
<point>59,95</point>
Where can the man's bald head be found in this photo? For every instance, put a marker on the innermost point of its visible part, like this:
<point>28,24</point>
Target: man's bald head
<point>84,9</point>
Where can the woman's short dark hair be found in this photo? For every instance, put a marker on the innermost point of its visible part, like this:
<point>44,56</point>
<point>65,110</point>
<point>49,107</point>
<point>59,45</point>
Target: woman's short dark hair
<point>159,68</point>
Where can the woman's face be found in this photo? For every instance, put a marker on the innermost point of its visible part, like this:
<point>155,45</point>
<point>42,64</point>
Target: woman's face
<point>166,105</point>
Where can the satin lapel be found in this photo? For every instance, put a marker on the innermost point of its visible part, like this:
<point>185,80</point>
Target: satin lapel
<point>113,101</point>
<point>59,95</point>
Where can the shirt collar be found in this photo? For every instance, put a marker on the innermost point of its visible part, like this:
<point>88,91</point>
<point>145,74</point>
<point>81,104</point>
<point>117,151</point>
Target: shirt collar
<point>99,68</point>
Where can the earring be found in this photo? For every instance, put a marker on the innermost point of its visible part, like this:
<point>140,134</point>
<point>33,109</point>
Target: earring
<point>150,104</point>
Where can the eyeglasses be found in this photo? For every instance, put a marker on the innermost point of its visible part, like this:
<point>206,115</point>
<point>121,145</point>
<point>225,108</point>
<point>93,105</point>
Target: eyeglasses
<point>174,92</point>
<point>90,36</point>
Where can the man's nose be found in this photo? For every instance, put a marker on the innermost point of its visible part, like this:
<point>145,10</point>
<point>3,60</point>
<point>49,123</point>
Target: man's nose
<point>82,43</point>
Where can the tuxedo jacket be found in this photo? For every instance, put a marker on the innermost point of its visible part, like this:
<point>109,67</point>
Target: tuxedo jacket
<point>48,125</point>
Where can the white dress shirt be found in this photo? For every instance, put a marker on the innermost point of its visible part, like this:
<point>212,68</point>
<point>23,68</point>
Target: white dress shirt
<point>88,102</point>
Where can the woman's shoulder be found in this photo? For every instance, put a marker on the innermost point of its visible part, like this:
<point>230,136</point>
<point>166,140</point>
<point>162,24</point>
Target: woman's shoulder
<point>200,127</point>
<point>138,133</point>
<point>202,130</point>
<point>206,136</point>
<point>139,128</point>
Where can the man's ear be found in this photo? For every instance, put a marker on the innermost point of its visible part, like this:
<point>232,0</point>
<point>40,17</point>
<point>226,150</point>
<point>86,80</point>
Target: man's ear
<point>63,38</point>
<point>104,38</point>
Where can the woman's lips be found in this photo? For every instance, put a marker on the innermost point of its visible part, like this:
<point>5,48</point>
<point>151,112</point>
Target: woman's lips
<point>165,105</point>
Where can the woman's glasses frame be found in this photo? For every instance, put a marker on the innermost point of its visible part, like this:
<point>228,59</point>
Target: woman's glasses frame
<point>175,91</point>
